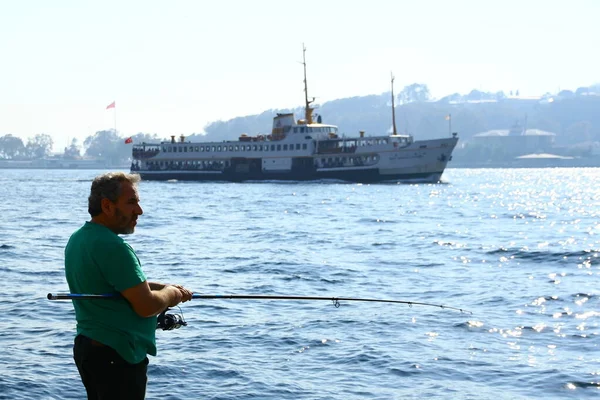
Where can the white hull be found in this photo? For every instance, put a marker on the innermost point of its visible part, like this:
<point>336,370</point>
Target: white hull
<point>379,159</point>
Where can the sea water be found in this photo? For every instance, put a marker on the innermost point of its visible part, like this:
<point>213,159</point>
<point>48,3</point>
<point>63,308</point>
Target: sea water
<point>516,247</point>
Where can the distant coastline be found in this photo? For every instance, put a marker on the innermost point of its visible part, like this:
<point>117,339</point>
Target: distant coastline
<point>61,164</point>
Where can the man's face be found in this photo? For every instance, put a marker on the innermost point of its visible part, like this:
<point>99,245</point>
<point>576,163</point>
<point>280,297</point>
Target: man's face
<point>126,210</point>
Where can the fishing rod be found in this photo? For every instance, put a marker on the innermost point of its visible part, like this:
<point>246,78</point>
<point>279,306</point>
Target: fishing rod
<point>334,300</point>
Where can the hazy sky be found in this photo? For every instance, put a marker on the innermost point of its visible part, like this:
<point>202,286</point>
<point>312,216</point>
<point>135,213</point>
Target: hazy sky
<point>174,66</point>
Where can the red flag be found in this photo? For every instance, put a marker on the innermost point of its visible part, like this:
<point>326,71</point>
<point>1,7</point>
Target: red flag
<point>111,105</point>
<point>128,140</point>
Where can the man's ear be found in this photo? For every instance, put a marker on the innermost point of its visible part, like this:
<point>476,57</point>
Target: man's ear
<point>107,206</point>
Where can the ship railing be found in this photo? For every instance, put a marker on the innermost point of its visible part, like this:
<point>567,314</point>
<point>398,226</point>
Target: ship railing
<point>142,154</point>
<point>337,150</point>
<point>187,166</point>
<point>347,161</point>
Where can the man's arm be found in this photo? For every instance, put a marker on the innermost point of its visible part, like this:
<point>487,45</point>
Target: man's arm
<point>148,302</point>
<point>156,285</point>
<point>187,294</point>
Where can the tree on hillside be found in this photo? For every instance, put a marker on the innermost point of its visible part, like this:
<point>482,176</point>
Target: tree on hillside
<point>146,138</point>
<point>73,150</point>
<point>39,146</point>
<point>566,94</point>
<point>579,132</point>
<point>455,97</point>
<point>417,92</point>
<point>11,146</point>
<point>101,143</point>
<point>110,146</point>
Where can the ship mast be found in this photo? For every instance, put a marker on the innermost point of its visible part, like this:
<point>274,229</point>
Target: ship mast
<point>393,107</point>
<point>307,109</point>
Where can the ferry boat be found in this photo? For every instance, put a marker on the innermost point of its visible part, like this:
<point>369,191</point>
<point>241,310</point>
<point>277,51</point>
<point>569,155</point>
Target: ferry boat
<point>298,150</point>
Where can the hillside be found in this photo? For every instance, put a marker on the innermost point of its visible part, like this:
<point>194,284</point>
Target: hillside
<point>574,119</point>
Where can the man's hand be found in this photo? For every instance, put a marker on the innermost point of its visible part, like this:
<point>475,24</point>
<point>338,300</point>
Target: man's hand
<point>186,294</point>
<point>174,295</point>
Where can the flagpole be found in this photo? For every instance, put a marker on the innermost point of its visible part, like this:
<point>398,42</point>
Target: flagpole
<point>115,117</point>
<point>450,124</point>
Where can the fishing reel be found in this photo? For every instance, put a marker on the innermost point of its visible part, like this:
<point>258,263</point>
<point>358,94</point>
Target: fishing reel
<point>169,321</point>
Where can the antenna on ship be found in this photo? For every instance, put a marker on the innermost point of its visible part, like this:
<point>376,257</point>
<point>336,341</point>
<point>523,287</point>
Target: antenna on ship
<point>393,107</point>
<point>307,109</point>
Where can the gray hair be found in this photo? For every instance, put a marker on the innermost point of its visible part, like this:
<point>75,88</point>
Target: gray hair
<point>108,186</point>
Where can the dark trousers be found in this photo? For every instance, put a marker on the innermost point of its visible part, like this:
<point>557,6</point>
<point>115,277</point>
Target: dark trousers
<point>105,374</point>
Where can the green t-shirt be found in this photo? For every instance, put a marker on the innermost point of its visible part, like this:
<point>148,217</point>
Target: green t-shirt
<point>98,261</point>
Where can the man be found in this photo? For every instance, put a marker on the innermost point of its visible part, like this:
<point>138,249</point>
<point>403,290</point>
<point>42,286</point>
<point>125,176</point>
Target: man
<point>114,335</point>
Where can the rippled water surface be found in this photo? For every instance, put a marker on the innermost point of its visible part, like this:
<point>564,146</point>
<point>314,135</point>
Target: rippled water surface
<point>519,248</point>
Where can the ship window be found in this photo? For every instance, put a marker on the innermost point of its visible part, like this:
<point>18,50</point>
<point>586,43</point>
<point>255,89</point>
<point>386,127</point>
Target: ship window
<point>297,146</point>
<point>285,147</point>
<point>230,148</point>
<point>185,149</point>
<point>260,147</point>
<point>237,148</point>
<point>196,148</point>
<point>218,148</point>
<point>295,130</point>
<point>254,147</point>
<point>278,147</point>
<point>304,147</point>
<point>212,149</point>
<point>302,130</point>
<point>170,149</point>
<point>272,147</point>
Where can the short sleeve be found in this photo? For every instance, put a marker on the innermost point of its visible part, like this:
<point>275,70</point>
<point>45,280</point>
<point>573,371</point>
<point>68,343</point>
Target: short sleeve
<point>120,265</point>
